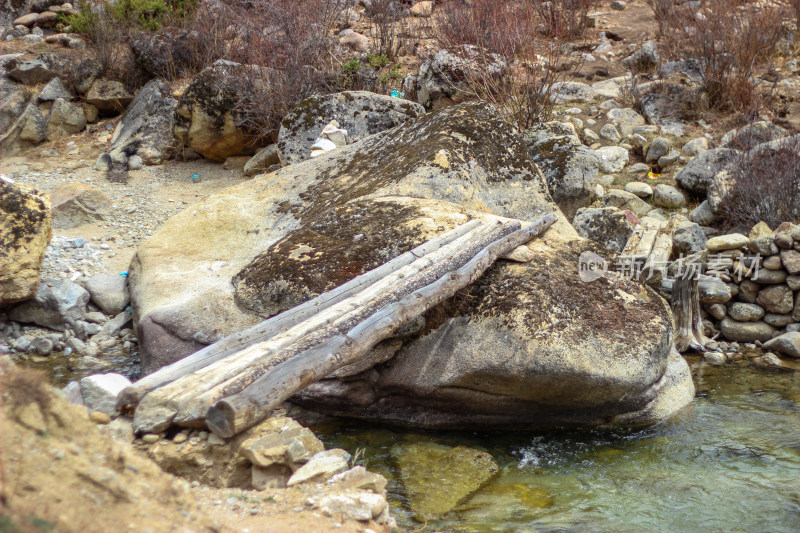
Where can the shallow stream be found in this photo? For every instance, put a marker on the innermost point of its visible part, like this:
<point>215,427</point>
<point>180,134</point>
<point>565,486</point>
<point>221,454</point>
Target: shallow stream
<point>729,462</point>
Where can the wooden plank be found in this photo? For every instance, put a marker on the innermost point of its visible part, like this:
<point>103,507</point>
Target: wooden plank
<point>234,414</point>
<point>158,408</point>
<point>132,395</point>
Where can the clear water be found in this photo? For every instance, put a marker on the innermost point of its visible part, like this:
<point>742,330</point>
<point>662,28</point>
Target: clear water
<point>730,462</point>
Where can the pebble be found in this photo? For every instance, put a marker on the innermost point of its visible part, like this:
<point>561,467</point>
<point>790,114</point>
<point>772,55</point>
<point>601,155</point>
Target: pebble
<point>715,358</point>
<point>99,417</point>
<point>151,438</point>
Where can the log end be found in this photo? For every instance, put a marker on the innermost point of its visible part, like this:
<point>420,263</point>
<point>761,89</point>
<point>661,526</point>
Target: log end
<point>127,400</point>
<point>220,419</point>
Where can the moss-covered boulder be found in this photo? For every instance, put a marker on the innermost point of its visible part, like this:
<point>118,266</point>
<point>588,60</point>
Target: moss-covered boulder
<point>527,345</point>
<point>207,117</point>
<point>361,113</point>
<point>436,477</point>
<point>25,229</point>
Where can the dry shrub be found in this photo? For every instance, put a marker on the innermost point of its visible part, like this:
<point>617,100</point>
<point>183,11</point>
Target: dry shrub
<point>765,185</point>
<point>288,44</point>
<point>22,386</point>
<point>504,27</point>
<point>565,19</point>
<point>510,33</point>
<point>730,40</point>
<point>388,26</point>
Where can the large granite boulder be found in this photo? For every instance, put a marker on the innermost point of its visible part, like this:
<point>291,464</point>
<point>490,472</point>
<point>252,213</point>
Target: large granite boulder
<point>527,345</point>
<point>25,230</point>
<point>570,168</point>
<point>361,113</point>
<point>206,118</point>
<point>146,128</point>
<point>75,204</point>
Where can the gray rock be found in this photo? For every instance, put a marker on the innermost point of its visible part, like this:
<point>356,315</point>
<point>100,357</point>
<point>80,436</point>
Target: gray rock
<point>168,52</point>
<point>64,119</point>
<point>718,311</point>
<point>618,5</point>
<point>263,160</point>
<point>103,163</point>
<point>570,169</point>
<point>668,196</point>
<point>787,344</point>
<point>135,163</point>
<point>645,58</point>
<point>100,392</point>
<point>658,148</point>
<point>58,303</point>
<point>41,346</point>
<point>360,506</point>
<point>624,200</point>
<point>110,97</point>
<point>666,161</point>
<point>440,79</point>
<point>702,214</point>
<point>778,321</point>
<point>563,92</point>
<point>695,147</point>
<point>745,331</point>
<point>32,72</point>
<point>642,190</point>
<point>714,292</point>
<point>625,119</point>
<point>319,468</point>
<point>361,113</point>
<point>778,299</point>
<point>754,134</point>
<point>73,392</point>
<point>112,328</point>
<point>663,111</point>
<point>791,261</point>
<point>53,90</point>
<point>767,277</point>
<point>609,132</point>
<point>688,239</point>
<point>607,226</point>
<point>715,358</point>
<point>744,312</point>
<point>696,176</point>
<point>793,282</point>
<point>146,128</point>
<point>612,159</point>
<point>109,292</point>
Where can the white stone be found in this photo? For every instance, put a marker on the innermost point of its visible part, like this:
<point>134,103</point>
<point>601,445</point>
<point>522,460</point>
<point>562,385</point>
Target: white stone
<point>100,391</point>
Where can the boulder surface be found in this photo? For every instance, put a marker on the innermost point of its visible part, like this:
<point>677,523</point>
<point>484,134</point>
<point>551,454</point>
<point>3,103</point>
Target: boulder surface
<point>529,344</point>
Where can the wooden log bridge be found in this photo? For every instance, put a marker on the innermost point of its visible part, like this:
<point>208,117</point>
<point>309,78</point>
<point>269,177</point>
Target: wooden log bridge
<point>235,383</point>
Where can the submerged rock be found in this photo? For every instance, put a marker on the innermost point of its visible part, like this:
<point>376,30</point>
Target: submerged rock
<point>427,473</point>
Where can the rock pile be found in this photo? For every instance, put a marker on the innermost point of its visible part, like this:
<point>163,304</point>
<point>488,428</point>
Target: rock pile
<point>759,301</point>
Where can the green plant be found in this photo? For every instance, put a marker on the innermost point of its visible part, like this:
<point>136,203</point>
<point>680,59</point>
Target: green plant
<point>394,74</point>
<point>377,61</point>
<point>83,21</point>
<point>150,14</point>
<point>348,73</point>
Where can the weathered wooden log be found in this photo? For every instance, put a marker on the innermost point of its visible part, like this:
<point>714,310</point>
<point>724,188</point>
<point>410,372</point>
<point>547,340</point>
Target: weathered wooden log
<point>132,395</point>
<point>657,263</point>
<point>157,409</point>
<point>685,303</point>
<point>234,414</point>
<point>192,412</point>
